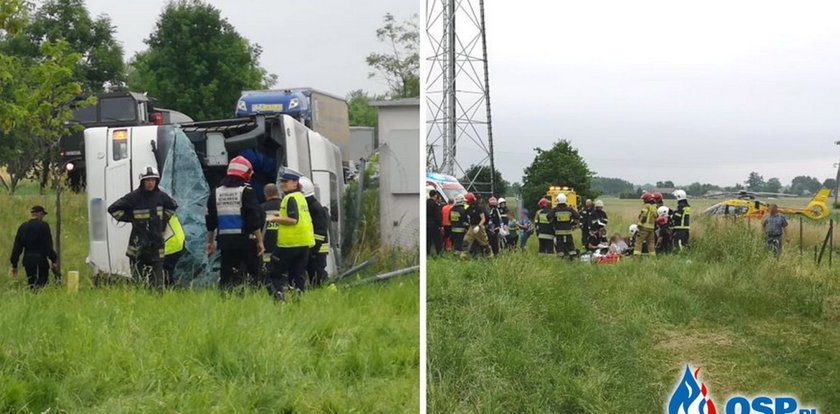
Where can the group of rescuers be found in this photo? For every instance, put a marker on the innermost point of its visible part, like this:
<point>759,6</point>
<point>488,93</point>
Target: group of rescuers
<point>466,226</point>
<point>281,244</point>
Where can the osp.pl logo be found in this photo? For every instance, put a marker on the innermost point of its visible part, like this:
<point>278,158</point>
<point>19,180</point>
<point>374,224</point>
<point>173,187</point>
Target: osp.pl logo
<point>692,397</point>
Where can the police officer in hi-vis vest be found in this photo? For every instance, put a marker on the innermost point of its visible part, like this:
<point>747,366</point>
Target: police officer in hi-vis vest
<point>295,237</point>
<point>235,218</point>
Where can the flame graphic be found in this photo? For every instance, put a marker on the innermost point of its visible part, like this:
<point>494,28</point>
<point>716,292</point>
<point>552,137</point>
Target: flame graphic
<point>690,396</point>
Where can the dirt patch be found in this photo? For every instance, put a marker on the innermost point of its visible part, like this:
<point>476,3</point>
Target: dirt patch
<point>694,336</point>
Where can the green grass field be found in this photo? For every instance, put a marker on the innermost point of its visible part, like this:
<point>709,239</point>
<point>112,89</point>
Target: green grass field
<point>106,350</point>
<point>524,333</point>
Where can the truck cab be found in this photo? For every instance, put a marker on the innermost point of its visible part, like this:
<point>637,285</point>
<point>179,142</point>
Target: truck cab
<point>116,109</point>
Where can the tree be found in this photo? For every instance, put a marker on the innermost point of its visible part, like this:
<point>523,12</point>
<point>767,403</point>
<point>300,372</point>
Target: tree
<point>197,63</point>
<point>481,175</point>
<point>773,185</point>
<point>830,183</point>
<point>804,184</point>
<point>612,186</point>
<point>42,97</point>
<point>360,111</point>
<point>665,184</point>
<point>560,165</point>
<point>13,16</point>
<point>401,66</point>
<point>755,182</point>
<point>696,189</point>
<point>101,63</point>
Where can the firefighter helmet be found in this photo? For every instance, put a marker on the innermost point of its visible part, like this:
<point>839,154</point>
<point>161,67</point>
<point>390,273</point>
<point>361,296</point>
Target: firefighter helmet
<point>657,196</point>
<point>634,228</point>
<point>149,172</point>
<point>307,187</point>
<point>543,203</point>
<point>492,202</point>
<point>599,203</point>
<point>680,195</point>
<point>647,197</point>
<point>469,198</point>
<point>240,167</point>
<point>459,199</point>
<point>502,200</point>
<point>662,220</point>
<point>561,198</point>
<point>662,211</point>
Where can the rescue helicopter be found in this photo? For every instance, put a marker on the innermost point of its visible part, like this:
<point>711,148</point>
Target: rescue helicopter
<point>745,204</point>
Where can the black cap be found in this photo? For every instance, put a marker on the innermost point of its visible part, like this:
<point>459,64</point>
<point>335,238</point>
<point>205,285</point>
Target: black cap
<point>38,209</point>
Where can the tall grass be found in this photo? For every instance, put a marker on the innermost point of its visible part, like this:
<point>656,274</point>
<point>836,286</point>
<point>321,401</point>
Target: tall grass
<point>525,333</point>
<point>122,349</point>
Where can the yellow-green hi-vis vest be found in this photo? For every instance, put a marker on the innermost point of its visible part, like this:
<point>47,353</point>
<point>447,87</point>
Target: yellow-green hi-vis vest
<point>301,234</point>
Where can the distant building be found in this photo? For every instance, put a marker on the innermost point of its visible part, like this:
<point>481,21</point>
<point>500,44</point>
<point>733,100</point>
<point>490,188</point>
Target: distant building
<point>399,172</point>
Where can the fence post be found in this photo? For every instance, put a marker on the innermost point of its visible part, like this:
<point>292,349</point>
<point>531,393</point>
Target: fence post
<point>825,241</point>
<point>801,241</point>
<point>830,242</point>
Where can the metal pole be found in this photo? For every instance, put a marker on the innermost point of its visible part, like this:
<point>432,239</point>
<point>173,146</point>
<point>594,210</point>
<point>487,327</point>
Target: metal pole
<point>837,179</point>
<point>487,100</point>
<point>450,124</point>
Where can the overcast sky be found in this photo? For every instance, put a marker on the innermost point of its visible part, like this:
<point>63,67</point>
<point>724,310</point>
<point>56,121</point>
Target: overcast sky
<point>321,44</point>
<point>654,90</point>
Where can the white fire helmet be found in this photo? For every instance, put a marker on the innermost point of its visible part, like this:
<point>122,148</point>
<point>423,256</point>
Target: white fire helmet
<point>307,187</point>
<point>561,198</point>
<point>662,211</point>
<point>680,195</point>
<point>634,228</point>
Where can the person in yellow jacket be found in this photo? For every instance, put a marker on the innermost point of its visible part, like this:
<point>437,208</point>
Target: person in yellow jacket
<point>647,222</point>
<point>174,240</point>
<point>295,236</point>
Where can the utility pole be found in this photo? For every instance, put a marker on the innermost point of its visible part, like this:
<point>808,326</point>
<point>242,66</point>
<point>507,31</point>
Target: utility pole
<point>836,179</point>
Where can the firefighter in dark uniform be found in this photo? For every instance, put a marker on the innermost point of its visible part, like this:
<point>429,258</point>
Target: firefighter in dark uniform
<point>148,209</point>
<point>681,220</point>
<point>494,225</point>
<point>544,220</point>
<point>317,266</point>
<point>34,241</point>
<point>295,238</point>
<point>598,216</point>
<point>271,208</point>
<point>235,219</point>
<point>565,219</point>
<point>585,219</point>
<point>476,227</point>
<point>664,237</point>
<point>503,210</point>
<point>458,218</point>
